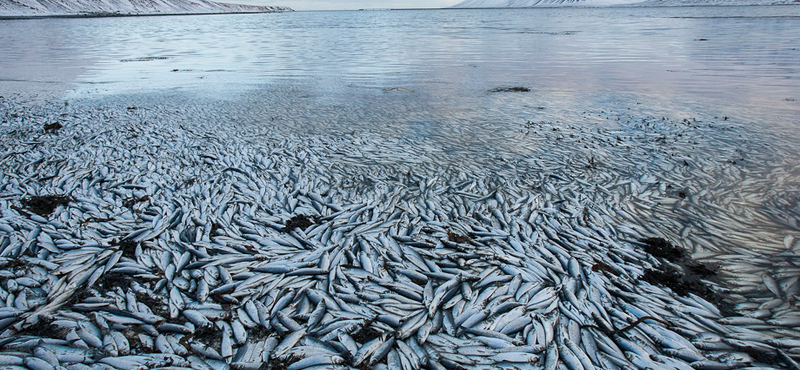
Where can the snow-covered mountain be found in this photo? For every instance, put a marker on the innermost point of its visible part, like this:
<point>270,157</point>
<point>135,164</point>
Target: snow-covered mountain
<point>11,8</point>
<point>534,3</point>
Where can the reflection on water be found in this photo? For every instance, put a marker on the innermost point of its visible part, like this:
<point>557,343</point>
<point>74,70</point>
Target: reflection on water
<point>678,56</point>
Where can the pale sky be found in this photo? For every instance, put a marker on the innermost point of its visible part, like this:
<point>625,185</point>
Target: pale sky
<point>350,4</point>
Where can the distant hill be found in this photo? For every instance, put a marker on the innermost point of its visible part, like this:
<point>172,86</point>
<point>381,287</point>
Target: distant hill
<point>535,3</point>
<point>12,8</point>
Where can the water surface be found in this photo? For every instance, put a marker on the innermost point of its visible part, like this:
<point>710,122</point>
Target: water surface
<point>730,75</point>
<point>742,58</point>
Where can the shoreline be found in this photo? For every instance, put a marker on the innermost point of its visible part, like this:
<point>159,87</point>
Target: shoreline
<point>120,15</point>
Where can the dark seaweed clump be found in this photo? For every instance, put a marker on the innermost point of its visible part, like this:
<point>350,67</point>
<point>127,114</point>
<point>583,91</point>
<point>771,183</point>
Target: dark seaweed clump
<point>671,278</point>
<point>301,221</point>
<point>207,335</point>
<point>44,205</point>
<point>52,127</point>
<point>366,334</point>
<point>509,89</point>
<point>259,333</point>
<point>600,266</point>
<point>660,247</point>
<point>457,238</point>
<point>281,363</point>
<point>156,304</point>
<point>43,328</point>
<point>110,280</point>
<point>127,246</point>
<point>679,272</point>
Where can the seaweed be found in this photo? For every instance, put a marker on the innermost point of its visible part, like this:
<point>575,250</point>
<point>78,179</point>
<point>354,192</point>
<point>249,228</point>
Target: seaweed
<point>600,266</point>
<point>301,221</point>
<point>702,270</point>
<point>207,335</point>
<point>157,305</point>
<point>259,332</point>
<point>509,89</point>
<point>130,202</point>
<point>457,238</point>
<point>366,334</point>
<point>217,228</point>
<point>131,333</point>
<point>592,164</point>
<point>660,247</point>
<point>52,127</point>
<point>678,272</point>
<point>127,246</point>
<point>280,363</point>
<point>80,295</point>
<point>670,277</point>
<point>110,280</point>
<point>44,328</point>
<point>44,205</point>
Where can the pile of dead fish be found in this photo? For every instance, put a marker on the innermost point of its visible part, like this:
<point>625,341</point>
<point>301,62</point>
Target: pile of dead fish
<point>128,242</point>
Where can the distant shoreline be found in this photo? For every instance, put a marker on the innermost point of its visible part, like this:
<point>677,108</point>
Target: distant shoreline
<point>115,15</point>
<point>643,4</point>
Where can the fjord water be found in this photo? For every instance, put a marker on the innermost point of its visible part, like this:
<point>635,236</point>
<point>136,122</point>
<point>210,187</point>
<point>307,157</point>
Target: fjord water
<point>746,56</point>
<point>729,75</point>
<point>425,69</point>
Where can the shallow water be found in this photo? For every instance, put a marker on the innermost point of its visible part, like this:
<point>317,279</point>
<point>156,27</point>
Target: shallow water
<point>679,57</point>
<point>426,76</point>
<point>425,71</point>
